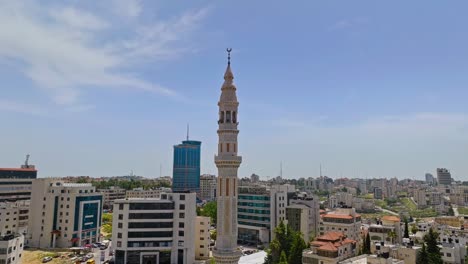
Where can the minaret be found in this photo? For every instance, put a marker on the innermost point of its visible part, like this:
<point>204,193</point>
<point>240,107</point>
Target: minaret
<point>227,161</point>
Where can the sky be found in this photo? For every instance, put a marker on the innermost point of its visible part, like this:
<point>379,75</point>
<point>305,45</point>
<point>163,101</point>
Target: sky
<point>364,88</point>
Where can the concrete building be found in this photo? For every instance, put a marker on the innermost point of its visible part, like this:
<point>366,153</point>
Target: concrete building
<point>443,176</point>
<point>227,161</point>
<point>63,214</point>
<point>11,248</point>
<point>435,198</point>
<point>371,259</point>
<point>420,198</point>
<point>15,183</point>
<point>342,220</point>
<point>155,230</point>
<point>378,193</point>
<point>146,194</point>
<point>386,226</point>
<point>453,253</point>
<point>260,210</point>
<point>110,195</point>
<point>207,187</point>
<point>330,248</point>
<point>303,215</point>
<point>186,170</point>
<point>14,217</point>
<point>363,205</point>
<point>202,238</point>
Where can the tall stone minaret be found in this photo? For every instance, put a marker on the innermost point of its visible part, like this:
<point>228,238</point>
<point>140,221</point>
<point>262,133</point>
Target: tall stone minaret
<point>227,161</point>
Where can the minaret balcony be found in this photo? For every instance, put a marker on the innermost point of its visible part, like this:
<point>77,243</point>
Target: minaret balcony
<point>226,160</point>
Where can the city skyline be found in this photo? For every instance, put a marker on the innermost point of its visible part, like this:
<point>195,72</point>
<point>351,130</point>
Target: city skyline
<point>365,89</point>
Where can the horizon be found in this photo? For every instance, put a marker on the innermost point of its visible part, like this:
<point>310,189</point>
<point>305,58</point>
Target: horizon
<point>363,90</point>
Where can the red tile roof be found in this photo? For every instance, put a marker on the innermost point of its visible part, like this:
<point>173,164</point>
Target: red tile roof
<point>391,218</point>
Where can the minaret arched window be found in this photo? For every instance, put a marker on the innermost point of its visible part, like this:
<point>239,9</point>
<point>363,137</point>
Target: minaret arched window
<point>234,117</point>
<point>221,117</point>
<point>228,116</point>
<point>227,147</point>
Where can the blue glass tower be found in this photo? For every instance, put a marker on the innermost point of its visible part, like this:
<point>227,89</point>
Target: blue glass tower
<point>186,171</point>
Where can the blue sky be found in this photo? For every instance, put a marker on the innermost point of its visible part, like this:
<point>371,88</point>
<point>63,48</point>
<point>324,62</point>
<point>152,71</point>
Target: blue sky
<point>366,88</point>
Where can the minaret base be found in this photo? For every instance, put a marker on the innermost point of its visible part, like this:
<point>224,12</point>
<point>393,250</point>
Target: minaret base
<point>227,257</point>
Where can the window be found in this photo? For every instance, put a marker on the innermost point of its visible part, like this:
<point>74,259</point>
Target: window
<point>119,235</point>
<point>227,182</point>
<point>182,197</point>
<point>119,243</point>
<point>449,255</point>
<point>68,198</point>
<point>66,221</point>
<point>68,206</point>
<point>44,199</point>
<point>227,147</point>
<point>202,246</point>
<point>181,215</point>
<point>120,225</point>
<point>181,225</point>
<point>181,233</point>
<point>121,206</point>
<point>120,216</point>
<point>66,228</point>
<point>66,213</point>
<point>181,206</point>
<point>220,147</point>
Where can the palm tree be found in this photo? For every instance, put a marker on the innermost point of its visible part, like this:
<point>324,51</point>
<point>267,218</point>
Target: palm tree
<point>392,235</point>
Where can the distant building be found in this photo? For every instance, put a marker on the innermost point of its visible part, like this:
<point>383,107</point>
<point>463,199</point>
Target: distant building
<point>420,198</point>
<point>378,193</point>
<point>208,187</point>
<point>11,248</point>
<point>111,194</point>
<point>15,183</point>
<point>142,193</point>
<point>387,225</point>
<point>14,217</point>
<point>202,237</point>
<point>186,170</point>
<point>254,178</point>
<point>260,210</point>
<point>155,230</point>
<point>444,177</point>
<point>64,215</point>
<point>429,178</point>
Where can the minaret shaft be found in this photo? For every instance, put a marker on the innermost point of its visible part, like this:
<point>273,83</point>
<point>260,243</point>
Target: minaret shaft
<point>227,161</point>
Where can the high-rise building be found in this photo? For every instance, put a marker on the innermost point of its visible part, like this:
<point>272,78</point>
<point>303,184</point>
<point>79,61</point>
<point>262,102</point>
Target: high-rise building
<point>15,183</point>
<point>444,177</point>
<point>227,161</point>
<point>429,178</point>
<point>14,217</point>
<point>186,171</point>
<point>155,230</point>
<point>207,187</point>
<point>64,214</point>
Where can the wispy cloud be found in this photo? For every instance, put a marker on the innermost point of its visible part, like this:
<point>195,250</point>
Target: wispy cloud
<point>65,50</point>
<point>348,23</point>
<point>19,107</point>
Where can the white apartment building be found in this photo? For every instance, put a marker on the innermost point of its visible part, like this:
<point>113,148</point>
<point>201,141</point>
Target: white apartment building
<point>143,194</point>
<point>453,253</point>
<point>260,210</point>
<point>344,220</point>
<point>155,230</point>
<point>208,187</point>
<point>63,214</point>
<point>110,195</point>
<point>14,217</point>
<point>202,237</point>
<point>420,198</point>
<point>11,248</point>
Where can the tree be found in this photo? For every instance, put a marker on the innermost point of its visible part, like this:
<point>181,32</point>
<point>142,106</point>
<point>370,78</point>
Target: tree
<point>433,250</point>
<point>213,234</point>
<point>210,209</point>
<point>283,259</point>
<point>392,235</point>
<point>406,234</point>
<point>414,229</point>
<point>423,257</point>
<point>366,244</point>
<point>298,245</point>
<point>450,211</point>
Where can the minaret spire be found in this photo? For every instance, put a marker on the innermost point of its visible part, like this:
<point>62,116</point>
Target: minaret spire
<point>229,55</point>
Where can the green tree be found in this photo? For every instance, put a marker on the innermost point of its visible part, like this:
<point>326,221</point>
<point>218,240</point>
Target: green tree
<point>423,257</point>
<point>450,211</point>
<point>392,235</point>
<point>107,218</point>
<point>210,209</point>
<point>406,234</point>
<point>367,244</point>
<point>283,259</point>
<point>414,229</point>
<point>298,245</point>
<point>433,250</point>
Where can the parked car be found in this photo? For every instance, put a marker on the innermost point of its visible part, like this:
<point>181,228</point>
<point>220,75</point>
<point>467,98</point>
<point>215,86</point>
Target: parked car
<point>46,259</point>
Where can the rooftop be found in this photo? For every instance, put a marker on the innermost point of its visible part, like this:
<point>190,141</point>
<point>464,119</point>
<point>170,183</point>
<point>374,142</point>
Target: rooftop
<point>391,218</point>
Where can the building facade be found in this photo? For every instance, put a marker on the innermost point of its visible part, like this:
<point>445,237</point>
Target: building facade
<point>11,248</point>
<point>444,177</point>
<point>202,237</point>
<point>155,231</point>
<point>342,220</point>
<point>330,248</point>
<point>227,161</point>
<point>186,170</point>
<point>63,214</point>
<point>110,195</point>
<point>207,187</point>
<point>15,183</point>
<point>303,215</point>
<point>142,193</point>
<point>14,217</point>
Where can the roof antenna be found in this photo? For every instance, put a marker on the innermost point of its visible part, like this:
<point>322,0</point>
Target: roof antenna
<point>27,161</point>
<point>188,130</point>
<point>229,55</point>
